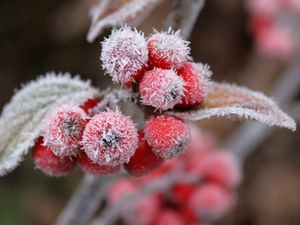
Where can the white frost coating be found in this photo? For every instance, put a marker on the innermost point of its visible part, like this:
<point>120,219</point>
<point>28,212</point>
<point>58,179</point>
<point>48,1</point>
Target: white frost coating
<point>169,47</point>
<point>133,13</point>
<point>161,89</point>
<point>231,100</point>
<point>21,119</point>
<point>124,53</point>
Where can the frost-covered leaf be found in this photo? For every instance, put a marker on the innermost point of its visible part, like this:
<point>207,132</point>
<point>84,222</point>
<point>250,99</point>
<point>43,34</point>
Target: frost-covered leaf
<point>110,13</point>
<point>230,100</point>
<point>21,119</point>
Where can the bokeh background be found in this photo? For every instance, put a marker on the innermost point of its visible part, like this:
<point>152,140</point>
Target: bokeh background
<point>50,35</point>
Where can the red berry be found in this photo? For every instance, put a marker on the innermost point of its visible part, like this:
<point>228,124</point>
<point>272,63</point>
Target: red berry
<point>124,54</point>
<point>120,189</point>
<point>169,217</point>
<point>167,135</point>
<point>168,50</point>
<point>63,130</point>
<point>110,139</point>
<point>143,161</point>
<point>162,89</point>
<point>195,78</point>
<point>88,166</point>
<point>223,168</point>
<point>49,163</point>
<point>210,201</point>
<point>90,104</point>
<point>182,192</point>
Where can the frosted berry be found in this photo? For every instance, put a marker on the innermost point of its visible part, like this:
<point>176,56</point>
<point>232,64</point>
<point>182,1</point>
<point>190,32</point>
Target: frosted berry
<point>169,217</point>
<point>143,161</point>
<point>168,50</point>
<point>162,89</point>
<point>110,139</point>
<point>195,78</point>
<point>87,165</point>
<point>211,201</point>
<point>167,135</point>
<point>63,130</point>
<point>124,54</point>
<point>49,163</point>
<point>223,168</point>
<point>90,104</point>
<point>120,189</point>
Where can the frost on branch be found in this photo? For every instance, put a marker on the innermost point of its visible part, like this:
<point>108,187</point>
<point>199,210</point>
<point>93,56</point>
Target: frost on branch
<point>21,119</point>
<point>110,13</point>
<point>230,100</point>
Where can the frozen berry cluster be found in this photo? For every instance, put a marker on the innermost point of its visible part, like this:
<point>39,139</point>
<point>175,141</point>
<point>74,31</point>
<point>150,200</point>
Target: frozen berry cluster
<point>273,34</point>
<point>160,72</point>
<point>205,200</point>
<point>158,68</point>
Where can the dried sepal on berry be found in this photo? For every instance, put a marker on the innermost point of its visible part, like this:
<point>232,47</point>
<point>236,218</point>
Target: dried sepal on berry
<point>88,166</point>
<point>110,138</point>
<point>196,81</point>
<point>124,54</point>
<point>63,130</point>
<point>167,135</point>
<point>49,163</point>
<point>168,50</point>
<point>161,89</point>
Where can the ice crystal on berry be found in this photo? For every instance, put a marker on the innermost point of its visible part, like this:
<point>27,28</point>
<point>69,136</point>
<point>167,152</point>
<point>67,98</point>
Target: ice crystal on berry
<point>63,130</point>
<point>162,89</point>
<point>110,138</point>
<point>167,49</point>
<point>124,54</point>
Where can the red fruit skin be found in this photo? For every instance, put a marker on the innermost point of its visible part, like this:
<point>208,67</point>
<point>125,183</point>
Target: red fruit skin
<point>88,166</point>
<point>167,135</point>
<point>143,161</point>
<point>211,201</point>
<point>181,192</point>
<point>194,93</point>
<point>50,164</point>
<point>89,104</point>
<point>169,217</point>
<point>223,168</point>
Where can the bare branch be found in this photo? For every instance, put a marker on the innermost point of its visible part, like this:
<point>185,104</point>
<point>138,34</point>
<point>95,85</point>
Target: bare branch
<point>184,16</point>
<point>85,201</point>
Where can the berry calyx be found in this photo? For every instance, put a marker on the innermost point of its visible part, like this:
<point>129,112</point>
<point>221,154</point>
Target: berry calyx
<point>144,160</point>
<point>195,78</point>
<point>167,135</point>
<point>161,89</point>
<point>211,201</point>
<point>110,139</point>
<point>124,54</point>
<point>87,165</point>
<point>63,130</point>
<point>168,50</point>
<point>49,163</point>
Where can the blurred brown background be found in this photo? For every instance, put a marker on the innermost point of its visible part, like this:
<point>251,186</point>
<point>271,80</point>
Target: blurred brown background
<point>49,35</point>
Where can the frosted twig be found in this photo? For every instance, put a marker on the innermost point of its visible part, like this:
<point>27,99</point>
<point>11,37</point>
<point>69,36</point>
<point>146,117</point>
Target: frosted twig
<point>184,16</point>
<point>111,213</point>
<point>248,136</point>
<point>85,201</point>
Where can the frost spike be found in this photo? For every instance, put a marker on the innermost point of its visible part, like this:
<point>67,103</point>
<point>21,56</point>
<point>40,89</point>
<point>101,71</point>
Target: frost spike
<point>231,100</point>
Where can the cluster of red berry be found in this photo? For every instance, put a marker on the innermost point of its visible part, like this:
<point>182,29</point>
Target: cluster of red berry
<point>273,36</point>
<point>208,198</point>
<point>161,72</point>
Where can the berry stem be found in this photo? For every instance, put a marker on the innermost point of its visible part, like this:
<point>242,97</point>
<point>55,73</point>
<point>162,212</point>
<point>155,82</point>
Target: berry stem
<point>85,200</point>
